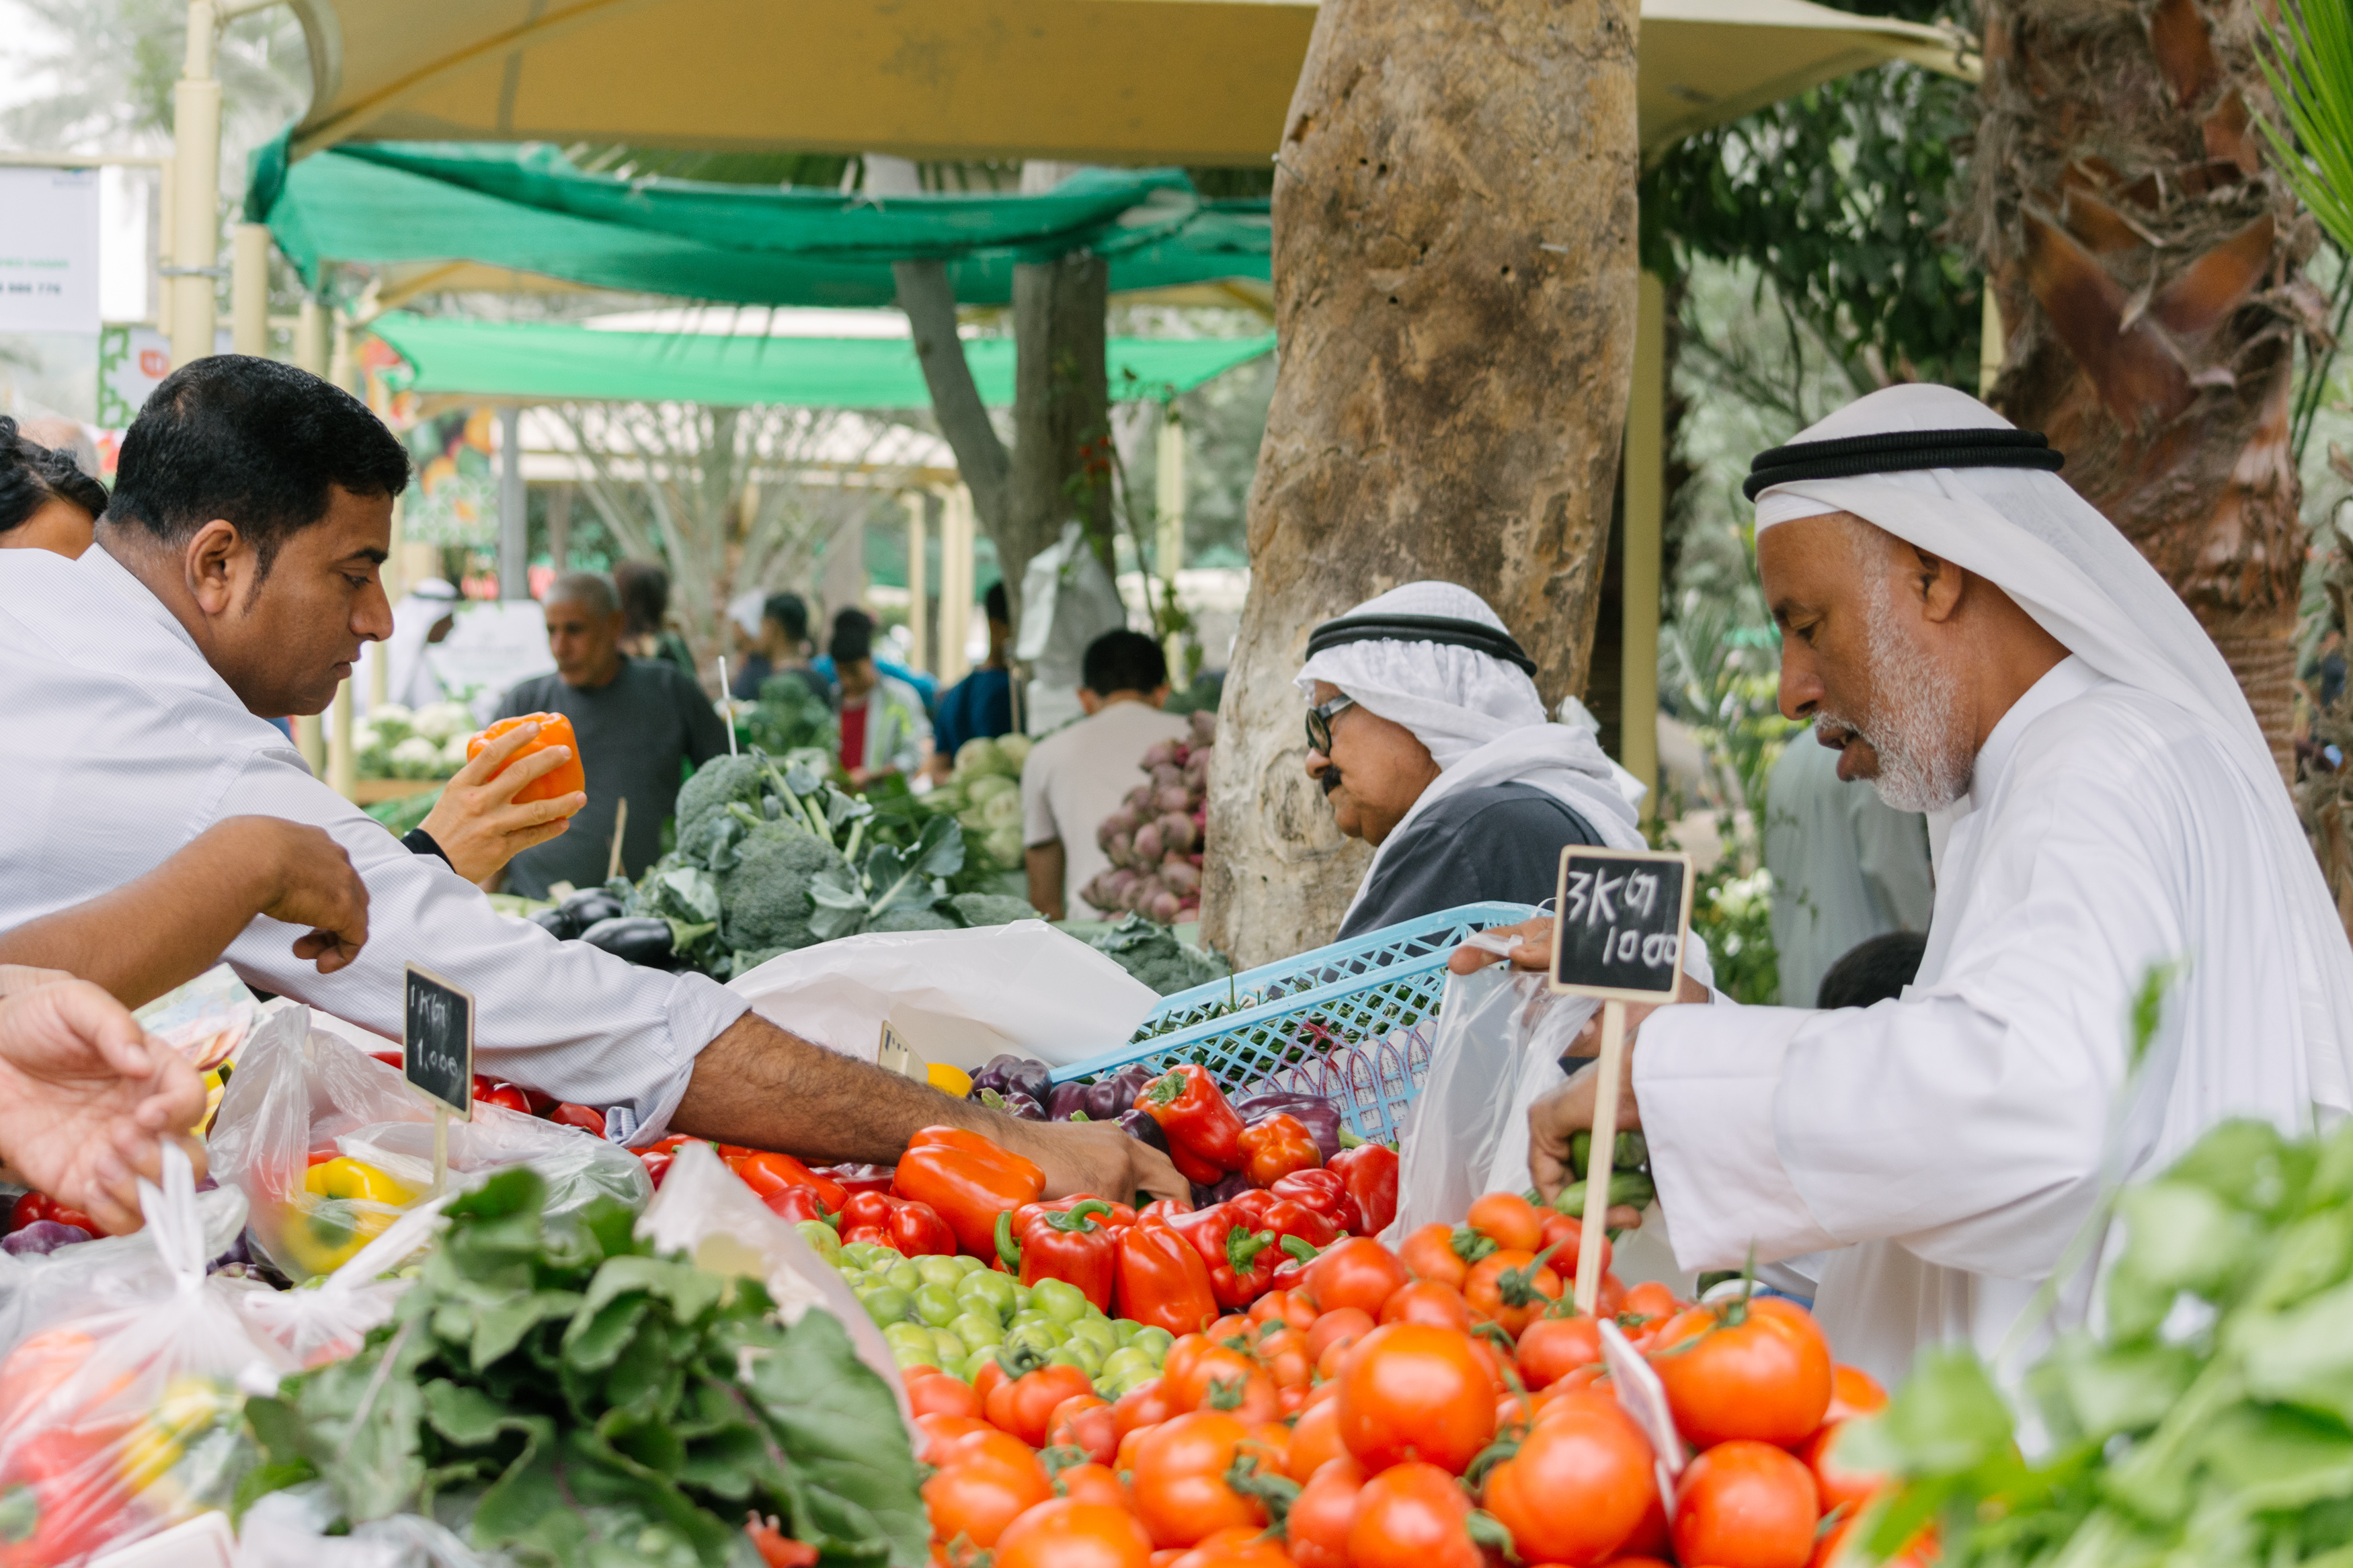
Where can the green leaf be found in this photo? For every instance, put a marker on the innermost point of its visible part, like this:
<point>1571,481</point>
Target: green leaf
<point>360,1430</point>
<point>2301,1356</point>
<point>838,1423</point>
<point>595,1338</point>
<point>2091,1393</point>
<point>2276,1460</point>
<point>690,891</point>
<point>2247,1163</point>
<point>689,1291</point>
<point>837,904</point>
<point>498,1329</point>
<point>1947,1418</point>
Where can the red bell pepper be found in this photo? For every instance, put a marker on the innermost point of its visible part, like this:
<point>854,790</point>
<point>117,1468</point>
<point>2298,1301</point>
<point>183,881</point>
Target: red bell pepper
<point>1114,1218</point>
<point>1162,1280</point>
<point>1325,1191</point>
<point>1371,1172</point>
<point>1275,1146</point>
<point>1192,1110</point>
<point>33,1207</point>
<point>1162,1209</point>
<point>868,1208</point>
<point>1267,1210</point>
<point>794,1203</point>
<point>766,1173</point>
<point>1066,1244</point>
<point>968,1182</point>
<point>1241,1258</point>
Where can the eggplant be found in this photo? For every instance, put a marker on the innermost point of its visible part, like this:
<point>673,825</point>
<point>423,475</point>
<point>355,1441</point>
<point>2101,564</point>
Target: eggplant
<point>40,1237</point>
<point>640,938</point>
<point>1320,1117</point>
<point>1233,1187</point>
<point>1140,1126</point>
<point>1115,1092</point>
<point>555,922</point>
<point>1009,1074</point>
<point>1066,1098</point>
<point>589,906</point>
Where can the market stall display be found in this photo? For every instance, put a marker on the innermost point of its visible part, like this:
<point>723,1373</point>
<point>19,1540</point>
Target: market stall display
<point>1157,837</point>
<point>429,744</point>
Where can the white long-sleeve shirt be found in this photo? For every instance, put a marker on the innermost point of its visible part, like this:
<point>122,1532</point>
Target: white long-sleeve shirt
<point>121,745</point>
<point>1951,1143</point>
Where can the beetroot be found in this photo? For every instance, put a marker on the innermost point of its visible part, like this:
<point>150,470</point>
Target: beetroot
<point>1163,907</point>
<point>1162,754</point>
<point>1177,833</point>
<point>1205,728</point>
<point>1179,878</point>
<point>1174,797</point>
<point>1147,846</point>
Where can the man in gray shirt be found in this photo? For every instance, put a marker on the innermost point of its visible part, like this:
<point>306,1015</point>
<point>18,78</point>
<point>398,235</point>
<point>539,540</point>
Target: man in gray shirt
<point>638,720</point>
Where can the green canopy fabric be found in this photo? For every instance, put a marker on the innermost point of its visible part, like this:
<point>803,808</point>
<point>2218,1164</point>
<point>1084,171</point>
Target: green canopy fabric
<point>528,209</point>
<point>561,364</point>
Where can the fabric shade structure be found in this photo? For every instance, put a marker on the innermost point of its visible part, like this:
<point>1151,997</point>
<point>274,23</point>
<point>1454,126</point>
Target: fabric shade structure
<point>533,363</point>
<point>528,211</point>
<point>1097,81</point>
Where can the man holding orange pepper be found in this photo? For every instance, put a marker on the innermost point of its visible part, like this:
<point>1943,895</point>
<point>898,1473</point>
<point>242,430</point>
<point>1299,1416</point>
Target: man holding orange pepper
<point>234,580</point>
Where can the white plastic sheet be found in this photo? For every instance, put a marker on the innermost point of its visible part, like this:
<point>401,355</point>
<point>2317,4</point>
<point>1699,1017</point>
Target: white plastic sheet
<point>957,997</point>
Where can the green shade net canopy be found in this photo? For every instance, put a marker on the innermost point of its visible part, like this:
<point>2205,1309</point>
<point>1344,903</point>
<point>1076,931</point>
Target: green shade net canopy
<point>534,363</point>
<point>527,209</point>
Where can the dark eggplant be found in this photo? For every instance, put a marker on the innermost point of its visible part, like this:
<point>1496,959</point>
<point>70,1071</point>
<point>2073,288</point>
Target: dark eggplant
<point>1023,1105</point>
<point>1139,1126</point>
<point>589,906</point>
<point>555,922</point>
<point>41,1236</point>
<point>1116,1092</point>
<point>1234,1185</point>
<point>1066,1098</point>
<point>1320,1115</point>
<point>640,938</point>
<point>1009,1074</point>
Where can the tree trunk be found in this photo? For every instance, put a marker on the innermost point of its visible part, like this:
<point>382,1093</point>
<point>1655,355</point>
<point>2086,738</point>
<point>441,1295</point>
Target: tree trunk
<point>2147,262</point>
<point>1454,230</point>
<point>1061,407</point>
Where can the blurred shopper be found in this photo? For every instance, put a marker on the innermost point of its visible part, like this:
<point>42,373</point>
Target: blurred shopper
<point>884,730</point>
<point>781,647</point>
<point>46,501</point>
<point>643,588</point>
<point>1078,775</point>
<point>639,721</point>
<point>980,706</point>
<point>425,616</point>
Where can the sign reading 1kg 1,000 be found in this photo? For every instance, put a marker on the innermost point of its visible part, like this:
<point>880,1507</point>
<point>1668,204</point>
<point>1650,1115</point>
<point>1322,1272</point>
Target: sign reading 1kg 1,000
<point>437,1044</point>
<point>1623,915</point>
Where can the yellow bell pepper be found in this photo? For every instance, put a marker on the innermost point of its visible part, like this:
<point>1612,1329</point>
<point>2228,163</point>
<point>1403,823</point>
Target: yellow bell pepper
<point>191,1406</point>
<point>344,1177</point>
<point>949,1080</point>
<point>329,1230</point>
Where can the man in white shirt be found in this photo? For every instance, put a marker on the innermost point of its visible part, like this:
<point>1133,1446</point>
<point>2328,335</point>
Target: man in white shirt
<point>236,574</point>
<point>1078,775</point>
<point>1975,638</point>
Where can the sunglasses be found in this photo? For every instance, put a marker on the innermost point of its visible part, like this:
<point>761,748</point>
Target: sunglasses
<point>1319,722</point>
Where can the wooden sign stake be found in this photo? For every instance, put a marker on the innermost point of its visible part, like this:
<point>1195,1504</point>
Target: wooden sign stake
<point>440,1149</point>
<point>620,825</point>
<point>1607,1079</point>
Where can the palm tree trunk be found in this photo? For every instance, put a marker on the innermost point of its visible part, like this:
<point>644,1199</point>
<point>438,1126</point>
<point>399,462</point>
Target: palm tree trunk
<point>2148,263</point>
<point>1454,230</point>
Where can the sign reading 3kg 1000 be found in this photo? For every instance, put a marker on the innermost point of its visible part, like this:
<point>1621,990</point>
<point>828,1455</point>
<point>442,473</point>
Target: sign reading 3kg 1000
<point>1622,917</point>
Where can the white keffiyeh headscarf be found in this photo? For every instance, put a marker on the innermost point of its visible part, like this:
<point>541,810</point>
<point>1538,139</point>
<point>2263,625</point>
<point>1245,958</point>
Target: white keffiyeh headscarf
<point>2030,535</point>
<point>1479,715</point>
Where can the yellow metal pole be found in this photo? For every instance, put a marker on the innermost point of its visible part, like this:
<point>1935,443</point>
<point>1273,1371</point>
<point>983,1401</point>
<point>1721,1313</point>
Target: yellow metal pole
<point>195,207</point>
<point>342,761</point>
<point>1646,414</point>
<point>956,584</point>
<point>310,336</point>
<point>919,587</point>
<point>249,289</point>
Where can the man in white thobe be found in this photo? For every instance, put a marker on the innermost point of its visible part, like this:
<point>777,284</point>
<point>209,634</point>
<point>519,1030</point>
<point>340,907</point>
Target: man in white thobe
<point>1981,643</point>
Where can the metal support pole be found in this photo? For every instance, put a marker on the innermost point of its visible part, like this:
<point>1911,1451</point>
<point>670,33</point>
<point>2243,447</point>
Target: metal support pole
<point>956,584</point>
<point>1168,494</point>
<point>559,527</point>
<point>249,289</point>
<point>514,540</point>
<point>342,761</point>
<point>1646,414</point>
<point>195,207</point>
<point>919,586</point>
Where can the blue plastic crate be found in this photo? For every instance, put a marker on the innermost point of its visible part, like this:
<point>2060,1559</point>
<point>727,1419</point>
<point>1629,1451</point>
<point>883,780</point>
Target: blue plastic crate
<point>1352,1021</point>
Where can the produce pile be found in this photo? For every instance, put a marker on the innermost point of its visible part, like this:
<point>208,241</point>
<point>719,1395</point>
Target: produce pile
<point>393,742</point>
<point>984,794</point>
<point>790,720</point>
<point>1156,838</point>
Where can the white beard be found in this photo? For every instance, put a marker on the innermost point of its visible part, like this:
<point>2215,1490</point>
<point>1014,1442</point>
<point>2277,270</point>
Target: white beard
<point>1922,766</point>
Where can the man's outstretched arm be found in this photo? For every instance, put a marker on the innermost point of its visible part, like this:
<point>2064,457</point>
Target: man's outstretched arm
<point>758,1086</point>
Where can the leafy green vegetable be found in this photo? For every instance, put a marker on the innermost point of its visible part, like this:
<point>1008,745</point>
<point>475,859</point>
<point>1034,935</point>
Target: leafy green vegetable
<point>586,1405</point>
<point>1152,953</point>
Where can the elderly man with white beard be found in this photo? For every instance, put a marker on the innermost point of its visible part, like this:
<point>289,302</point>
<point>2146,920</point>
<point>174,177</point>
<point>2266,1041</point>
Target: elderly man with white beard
<point>1983,645</point>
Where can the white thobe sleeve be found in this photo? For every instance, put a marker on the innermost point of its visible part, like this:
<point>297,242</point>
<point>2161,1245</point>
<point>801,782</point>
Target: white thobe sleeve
<point>562,1018</point>
<point>1966,1123</point>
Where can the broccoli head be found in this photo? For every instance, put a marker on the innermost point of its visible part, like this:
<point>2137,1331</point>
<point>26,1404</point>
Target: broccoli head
<point>992,909</point>
<point>749,961</point>
<point>702,800</point>
<point>914,919</point>
<point>763,897</point>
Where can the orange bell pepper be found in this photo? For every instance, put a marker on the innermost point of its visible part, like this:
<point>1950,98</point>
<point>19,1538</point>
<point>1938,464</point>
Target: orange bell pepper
<point>555,730</point>
<point>967,1181</point>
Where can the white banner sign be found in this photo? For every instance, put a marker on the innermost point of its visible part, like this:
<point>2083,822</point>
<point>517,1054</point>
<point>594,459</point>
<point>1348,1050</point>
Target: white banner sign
<point>48,250</point>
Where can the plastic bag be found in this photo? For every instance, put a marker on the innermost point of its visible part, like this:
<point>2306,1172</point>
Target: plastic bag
<point>289,1529</point>
<point>957,997</point>
<point>1067,600</point>
<point>330,1322</point>
<point>121,1410</point>
<point>303,1098</point>
<point>706,1211</point>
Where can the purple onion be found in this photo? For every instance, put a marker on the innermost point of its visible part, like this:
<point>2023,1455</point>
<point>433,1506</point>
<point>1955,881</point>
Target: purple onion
<point>237,1254</point>
<point>41,1237</point>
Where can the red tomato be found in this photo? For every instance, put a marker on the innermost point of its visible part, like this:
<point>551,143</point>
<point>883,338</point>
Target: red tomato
<point>1025,1406</point>
<point>940,1432</point>
<point>1511,1287</point>
<point>1315,1440</point>
<point>937,1394</point>
<point>1552,1348</point>
<point>1429,1301</point>
<point>1920,1552</point>
<point>1064,1533</point>
<point>1836,1482</point>
<point>1652,1300</point>
<point>1145,1405</point>
<point>1412,1516</point>
<point>1853,1392</point>
<point>1412,1392</point>
<point>1429,1253</point>
<point>1085,1423</point>
<point>1092,1483</point>
<point>1358,1272</point>
<point>1762,1372</point>
<point>1509,1220</point>
<point>586,1118</point>
<point>1575,1489</point>
<point>1317,1526</point>
<point>1179,1478</point>
<point>1345,1325</point>
<point>1745,1504</point>
<point>505,1094</point>
<point>977,1498</point>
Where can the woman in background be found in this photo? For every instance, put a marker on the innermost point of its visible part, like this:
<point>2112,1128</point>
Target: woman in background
<point>643,588</point>
<point>46,502</point>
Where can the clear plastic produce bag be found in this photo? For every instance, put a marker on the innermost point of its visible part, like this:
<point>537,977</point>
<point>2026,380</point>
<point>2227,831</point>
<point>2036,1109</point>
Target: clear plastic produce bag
<point>331,1321</point>
<point>122,1405</point>
<point>329,1146</point>
<point>289,1529</point>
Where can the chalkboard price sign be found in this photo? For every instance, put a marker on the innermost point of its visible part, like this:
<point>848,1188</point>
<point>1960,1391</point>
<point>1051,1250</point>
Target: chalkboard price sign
<point>437,1044</point>
<point>1622,917</point>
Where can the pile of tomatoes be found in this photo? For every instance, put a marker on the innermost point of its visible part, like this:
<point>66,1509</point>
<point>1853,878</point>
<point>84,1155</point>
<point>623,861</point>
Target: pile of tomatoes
<point>1441,1406</point>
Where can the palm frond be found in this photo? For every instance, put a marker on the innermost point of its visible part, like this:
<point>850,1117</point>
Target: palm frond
<point>2310,69</point>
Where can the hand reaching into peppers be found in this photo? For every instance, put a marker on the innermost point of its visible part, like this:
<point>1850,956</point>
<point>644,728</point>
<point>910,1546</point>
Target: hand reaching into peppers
<point>86,1100</point>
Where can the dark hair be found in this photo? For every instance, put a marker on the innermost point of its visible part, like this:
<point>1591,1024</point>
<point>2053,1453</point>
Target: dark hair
<point>1876,970</point>
<point>643,588</point>
<point>995,602</point>
<point>853,637</point>
<point>32,476</point>
<point>1123,661</point>
<point>789,611</point>
<point>254,441</point>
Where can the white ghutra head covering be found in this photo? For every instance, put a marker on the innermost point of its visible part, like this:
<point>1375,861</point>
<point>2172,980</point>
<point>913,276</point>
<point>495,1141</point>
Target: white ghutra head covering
<point>1940,470</point>
<point>408,679</point>
<point>1433,658</point>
